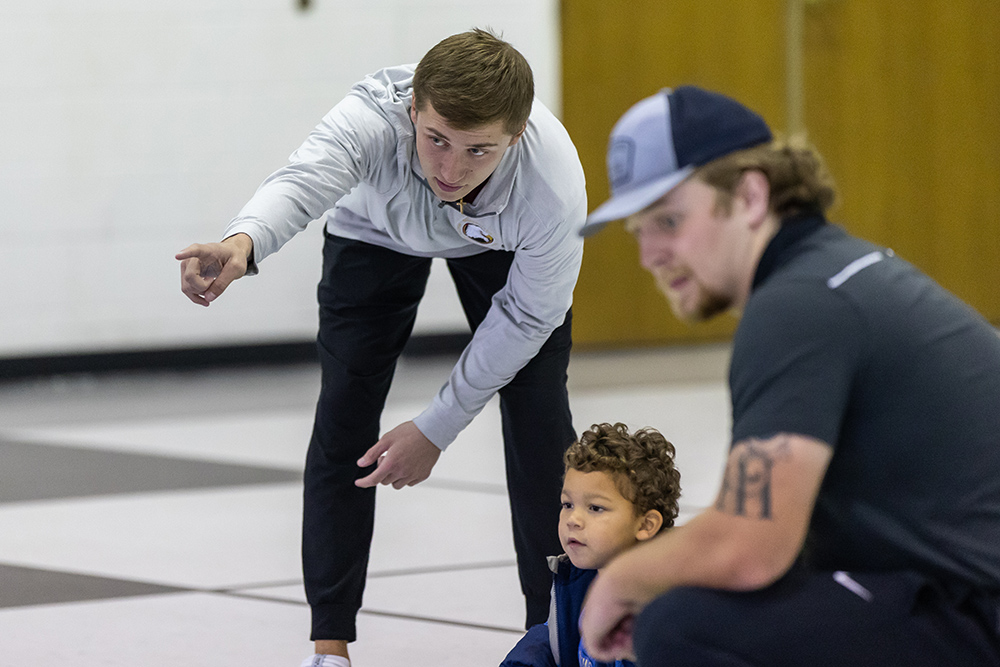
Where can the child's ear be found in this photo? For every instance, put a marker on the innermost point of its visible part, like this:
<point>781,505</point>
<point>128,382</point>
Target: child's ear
<point>651,523</point>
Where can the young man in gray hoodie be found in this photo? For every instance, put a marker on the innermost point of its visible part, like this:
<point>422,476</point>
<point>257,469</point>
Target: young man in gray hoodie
<point>455,159</point>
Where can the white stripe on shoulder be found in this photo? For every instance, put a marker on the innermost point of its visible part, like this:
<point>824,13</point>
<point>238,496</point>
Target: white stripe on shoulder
<point>855,266</point>
<point>848,582</point>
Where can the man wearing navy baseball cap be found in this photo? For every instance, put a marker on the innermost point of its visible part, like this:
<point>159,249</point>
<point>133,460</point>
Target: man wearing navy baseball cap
<point>858,519</point>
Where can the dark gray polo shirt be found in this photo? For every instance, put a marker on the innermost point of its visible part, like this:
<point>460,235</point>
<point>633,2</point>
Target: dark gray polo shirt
<point>844,342</point>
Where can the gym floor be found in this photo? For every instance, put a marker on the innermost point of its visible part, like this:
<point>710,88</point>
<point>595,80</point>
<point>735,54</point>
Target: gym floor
<point>153,518</point>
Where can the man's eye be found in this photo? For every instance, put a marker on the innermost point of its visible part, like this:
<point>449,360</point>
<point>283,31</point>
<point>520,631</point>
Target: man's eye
<point>477,151</point>
<point>437,141</point>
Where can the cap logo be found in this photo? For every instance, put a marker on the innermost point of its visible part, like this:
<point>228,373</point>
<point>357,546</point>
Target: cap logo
<point>621,158</point>
<point>476,233</point>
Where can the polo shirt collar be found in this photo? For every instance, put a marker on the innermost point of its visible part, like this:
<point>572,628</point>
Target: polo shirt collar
<point>793,229</point>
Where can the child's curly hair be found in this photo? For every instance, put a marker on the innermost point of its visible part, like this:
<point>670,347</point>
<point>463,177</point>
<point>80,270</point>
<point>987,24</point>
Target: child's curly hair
<point>642,465</point>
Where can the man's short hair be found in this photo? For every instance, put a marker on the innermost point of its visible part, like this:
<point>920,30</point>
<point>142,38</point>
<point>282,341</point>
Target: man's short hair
<point>474,79</point>
<point>642,465</point>
<point>796,173</point>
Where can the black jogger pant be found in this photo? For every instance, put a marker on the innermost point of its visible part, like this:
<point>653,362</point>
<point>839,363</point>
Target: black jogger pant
<point>368,299</point>
<point>822,619</point>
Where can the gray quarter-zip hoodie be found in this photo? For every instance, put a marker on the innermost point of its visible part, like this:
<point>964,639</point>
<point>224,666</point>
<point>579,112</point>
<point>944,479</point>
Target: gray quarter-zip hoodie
<point>359,172</point>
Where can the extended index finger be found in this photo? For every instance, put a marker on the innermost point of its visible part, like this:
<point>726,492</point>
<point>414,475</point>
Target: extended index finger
<point>193,250</point>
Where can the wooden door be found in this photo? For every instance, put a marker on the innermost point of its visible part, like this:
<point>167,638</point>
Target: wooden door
<point>901,96</point>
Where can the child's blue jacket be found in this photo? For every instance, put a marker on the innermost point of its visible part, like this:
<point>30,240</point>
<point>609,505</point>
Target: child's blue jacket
<point>556,643</point>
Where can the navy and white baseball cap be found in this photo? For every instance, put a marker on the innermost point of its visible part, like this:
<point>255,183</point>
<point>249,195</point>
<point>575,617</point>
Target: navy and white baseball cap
<point>662,139</point>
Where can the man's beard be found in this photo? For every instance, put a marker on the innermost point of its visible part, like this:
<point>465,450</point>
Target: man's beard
<point>712,304</point>
<point>709,305</point>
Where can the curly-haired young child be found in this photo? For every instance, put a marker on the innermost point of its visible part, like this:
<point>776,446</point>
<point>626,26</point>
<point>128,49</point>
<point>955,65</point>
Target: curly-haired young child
<point>620,489</point>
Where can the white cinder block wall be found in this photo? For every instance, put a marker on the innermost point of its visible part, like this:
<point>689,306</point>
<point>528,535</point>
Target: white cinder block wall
<point>130,129</point>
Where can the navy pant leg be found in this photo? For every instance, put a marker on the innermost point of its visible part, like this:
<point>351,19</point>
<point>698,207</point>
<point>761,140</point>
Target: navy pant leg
<point>537,429</point>
<point>808,618</point>
<point>368,301</point>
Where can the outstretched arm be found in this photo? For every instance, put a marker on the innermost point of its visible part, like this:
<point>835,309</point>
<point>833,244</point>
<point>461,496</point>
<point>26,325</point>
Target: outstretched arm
<point>748,540</point>
<point>207,269</point>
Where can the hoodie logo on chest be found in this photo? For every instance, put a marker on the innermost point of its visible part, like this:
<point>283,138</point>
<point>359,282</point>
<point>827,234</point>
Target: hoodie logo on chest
<point>473,231</point>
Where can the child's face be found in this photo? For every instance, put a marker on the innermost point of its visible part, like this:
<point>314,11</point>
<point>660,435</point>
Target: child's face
<point>597,522</point>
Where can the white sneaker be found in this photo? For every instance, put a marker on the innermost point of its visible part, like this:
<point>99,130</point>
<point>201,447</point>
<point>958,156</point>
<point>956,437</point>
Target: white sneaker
<point>318,660</point>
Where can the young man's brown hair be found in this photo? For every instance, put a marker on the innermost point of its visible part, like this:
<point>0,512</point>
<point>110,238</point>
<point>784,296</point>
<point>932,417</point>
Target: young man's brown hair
<point>796,173</point>
<point>642,465</point>
<point>474,79</point>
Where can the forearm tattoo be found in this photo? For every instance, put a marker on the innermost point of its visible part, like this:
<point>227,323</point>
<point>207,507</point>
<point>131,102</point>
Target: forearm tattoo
<point>746,485</point>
